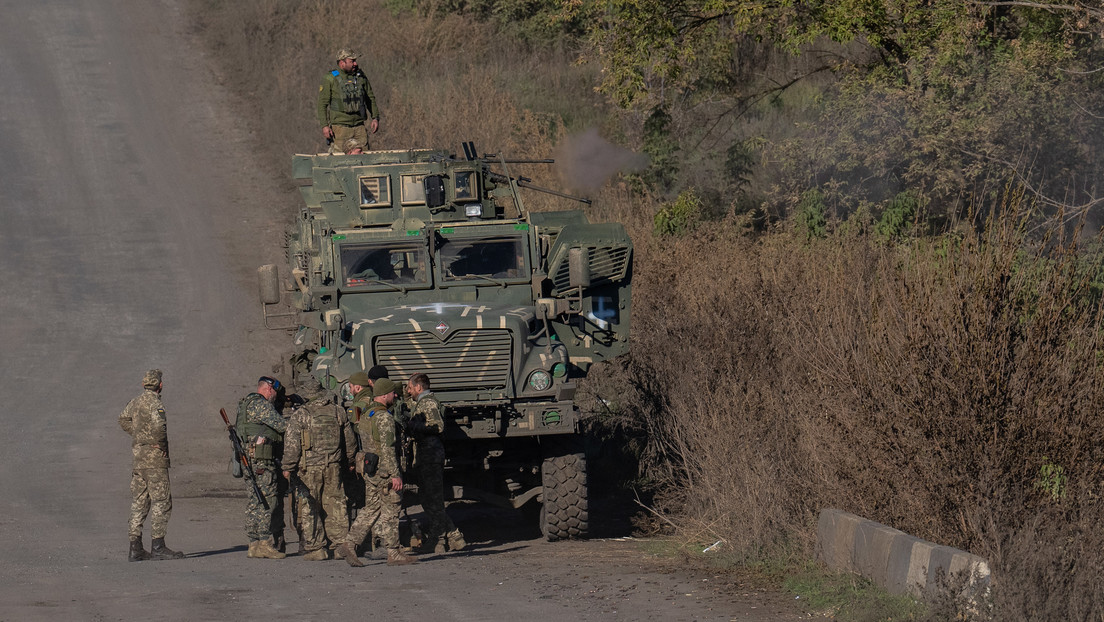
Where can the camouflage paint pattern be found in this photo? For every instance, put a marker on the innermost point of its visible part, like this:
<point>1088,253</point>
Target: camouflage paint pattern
<point>259,522</point>
<point>149,490</point>
<point>321,506</point>
<point>144,420</point>
<point>380,514</point>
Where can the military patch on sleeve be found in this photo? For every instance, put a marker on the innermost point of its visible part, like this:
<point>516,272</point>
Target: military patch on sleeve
<point>161,411</point>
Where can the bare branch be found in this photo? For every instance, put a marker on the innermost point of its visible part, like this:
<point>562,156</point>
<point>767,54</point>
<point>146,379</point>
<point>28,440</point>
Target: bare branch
<point>1076,8</point>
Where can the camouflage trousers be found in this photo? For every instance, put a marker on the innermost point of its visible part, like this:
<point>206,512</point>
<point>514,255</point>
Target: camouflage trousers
<point>259,522</point>
<point>149,490</point>
<point>432,495</point>
<point>343,133</point>
<point>321,506</point>
<point>380,514</point>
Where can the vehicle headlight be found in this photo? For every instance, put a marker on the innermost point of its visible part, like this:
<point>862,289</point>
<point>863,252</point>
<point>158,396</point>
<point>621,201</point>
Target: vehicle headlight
<point>559,370</point>
<point>473,211</point>
<point>540,380</point>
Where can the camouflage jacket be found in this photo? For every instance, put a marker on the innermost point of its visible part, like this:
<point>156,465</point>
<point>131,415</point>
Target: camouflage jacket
<point>144,420</point>
<point>426,425</point>
<point>346,99</point>
<point>260,426</point>
<point>378,436</point>
<point>318,434</point>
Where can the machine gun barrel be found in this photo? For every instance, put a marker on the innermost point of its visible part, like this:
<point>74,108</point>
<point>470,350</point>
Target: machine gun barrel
<point>494,156</point>
<point>524,182</point>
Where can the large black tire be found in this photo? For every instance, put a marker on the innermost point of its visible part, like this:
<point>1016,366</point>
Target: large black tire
<point>564,511</point>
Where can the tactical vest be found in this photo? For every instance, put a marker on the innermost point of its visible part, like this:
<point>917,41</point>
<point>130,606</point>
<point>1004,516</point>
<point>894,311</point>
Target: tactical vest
<point>248,431</point>
<point>322,432</point>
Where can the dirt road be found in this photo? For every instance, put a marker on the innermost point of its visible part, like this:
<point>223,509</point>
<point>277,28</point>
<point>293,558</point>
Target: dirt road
<point>133,218</point>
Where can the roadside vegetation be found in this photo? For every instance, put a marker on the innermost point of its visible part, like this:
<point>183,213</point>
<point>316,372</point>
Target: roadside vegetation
<point>868,267</point>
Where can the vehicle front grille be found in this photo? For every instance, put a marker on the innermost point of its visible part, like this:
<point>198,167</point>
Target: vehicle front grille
<point>468,359</point>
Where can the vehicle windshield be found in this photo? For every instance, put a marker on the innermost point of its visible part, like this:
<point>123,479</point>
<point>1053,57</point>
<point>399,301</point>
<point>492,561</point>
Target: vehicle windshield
<point>364,265</point>
<point>483,259</point>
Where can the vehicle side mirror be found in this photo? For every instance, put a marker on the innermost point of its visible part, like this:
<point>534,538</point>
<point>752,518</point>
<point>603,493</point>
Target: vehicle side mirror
<point>434,190</point>
<point>578,267</point>
<point>268,277</point>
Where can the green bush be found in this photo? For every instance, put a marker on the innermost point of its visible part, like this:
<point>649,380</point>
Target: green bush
<point>679,216</point>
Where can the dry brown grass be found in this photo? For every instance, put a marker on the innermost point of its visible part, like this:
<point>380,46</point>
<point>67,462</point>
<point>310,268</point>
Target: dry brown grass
<point>921,385</point>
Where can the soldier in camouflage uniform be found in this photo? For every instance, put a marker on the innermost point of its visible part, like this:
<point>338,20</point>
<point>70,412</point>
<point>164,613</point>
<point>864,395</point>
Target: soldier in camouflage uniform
<point>261,428</point>
<point>383,480</point>
<point>427,426</point>
<point>354,482</point>
<point>318,437</point>
<point>345,103</point>
<point>144,420</point>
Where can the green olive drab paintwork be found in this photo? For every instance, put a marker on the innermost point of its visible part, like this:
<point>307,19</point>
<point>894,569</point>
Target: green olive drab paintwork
<point>424,262</point>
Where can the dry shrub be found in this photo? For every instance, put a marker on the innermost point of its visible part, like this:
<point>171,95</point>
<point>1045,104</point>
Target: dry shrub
<point>947,387</point>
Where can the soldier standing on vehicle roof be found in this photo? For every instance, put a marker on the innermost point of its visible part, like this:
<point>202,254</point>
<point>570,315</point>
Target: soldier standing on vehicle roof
<point>144,420</point>
<point>427,426</point>
<point>345,103</point>
<point>383,479</point>
<point>317,439</point>
<point>261,428</point>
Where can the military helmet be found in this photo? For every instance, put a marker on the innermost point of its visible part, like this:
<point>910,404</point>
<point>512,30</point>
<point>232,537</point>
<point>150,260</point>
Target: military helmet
<point>152,379</point>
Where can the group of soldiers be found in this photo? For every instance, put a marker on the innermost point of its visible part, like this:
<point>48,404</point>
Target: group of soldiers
<point>344,465</point>
<point>323,451</point>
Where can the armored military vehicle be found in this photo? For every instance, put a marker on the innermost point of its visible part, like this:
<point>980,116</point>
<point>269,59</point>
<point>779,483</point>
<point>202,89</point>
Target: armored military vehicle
<point>425,262</point>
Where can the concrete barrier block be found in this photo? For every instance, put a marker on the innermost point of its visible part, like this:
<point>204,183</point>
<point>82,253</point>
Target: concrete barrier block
<point>895,560</point>
<point>836,538</point>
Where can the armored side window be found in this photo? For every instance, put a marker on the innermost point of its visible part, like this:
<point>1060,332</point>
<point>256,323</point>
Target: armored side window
<point>413,192</point>
<point>467,186</point>
<point>375,191</point>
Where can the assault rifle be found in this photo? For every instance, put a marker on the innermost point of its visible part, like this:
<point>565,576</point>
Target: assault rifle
<point>243,458</point>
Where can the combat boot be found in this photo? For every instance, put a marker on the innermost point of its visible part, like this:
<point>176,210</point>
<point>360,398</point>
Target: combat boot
<point>160,551</point>
<point>263,549</point>
<point>456,540</point>
<point>347,551</point>
<point>137,551</point>
<point>396,557</point>
<point>252,549</point>
<point>317,555</point>
<point>279,543</point>
<point>429,545</point>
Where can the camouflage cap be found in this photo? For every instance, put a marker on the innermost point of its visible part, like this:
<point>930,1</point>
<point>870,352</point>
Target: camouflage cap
<point>384,386</point>
<point>377,372</point>
<point>152,379</point>
<point>360,378</point>
<point>346,53</point>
